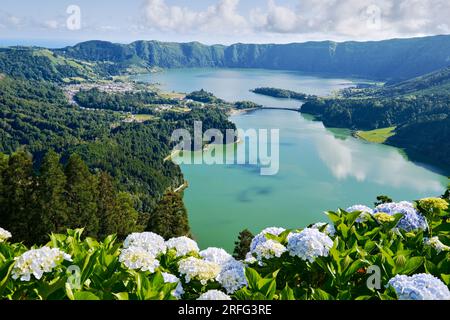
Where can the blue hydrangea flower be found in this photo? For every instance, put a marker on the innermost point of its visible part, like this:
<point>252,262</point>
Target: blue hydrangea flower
<point>309,244</point>
<point>365,212</point>
<point>329,230</point>
<point>232,276</point>
<point>260,238</point>
<point>412,220</point>
<point>419,287</point>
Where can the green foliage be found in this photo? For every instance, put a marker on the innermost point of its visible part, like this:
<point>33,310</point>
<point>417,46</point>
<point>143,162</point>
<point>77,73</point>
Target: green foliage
<point>242,105</point>
<point>170,218</point>
<point>242,245</point>
<point>281,93</point>
<point>203,96</point>
<point>391,59</point>
<point>40,64</point>
<point>54,199</point>
<point>343,274</point>
<point>135,102</point>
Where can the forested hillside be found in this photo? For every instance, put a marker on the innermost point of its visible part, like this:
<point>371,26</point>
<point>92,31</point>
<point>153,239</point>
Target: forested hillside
<point>389,59</point>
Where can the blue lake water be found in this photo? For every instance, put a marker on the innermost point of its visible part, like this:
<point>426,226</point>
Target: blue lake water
<point>320,169</point>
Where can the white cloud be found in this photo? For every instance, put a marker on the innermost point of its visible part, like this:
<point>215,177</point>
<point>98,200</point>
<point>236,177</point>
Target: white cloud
<point>341,19</point>
<point>222,17</point>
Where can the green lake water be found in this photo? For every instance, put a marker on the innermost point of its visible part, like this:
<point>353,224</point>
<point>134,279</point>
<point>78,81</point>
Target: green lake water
<point>320,169</point>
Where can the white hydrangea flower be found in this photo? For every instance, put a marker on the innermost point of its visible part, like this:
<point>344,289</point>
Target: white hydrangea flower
<point>269,249</point>
<point>261,237</point>
<point>232,277</point>
<point>149,241</point>
<point>198,269</point>
<point>250,259</point>
<point>170,278</point>
<point>4,235</point>
<point>214,295</point>
<point>309,244</point>
<point>182,245</point>
<point>217,255</point>
<point>329,230</point>
<point>419,287</point>
<point>137,258</point>
<point>36,262</point>
<point>436,244</point>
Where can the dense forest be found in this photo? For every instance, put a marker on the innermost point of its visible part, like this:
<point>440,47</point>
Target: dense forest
<point>55,197</point>
<point>36,117</point>
<point>135,102</point>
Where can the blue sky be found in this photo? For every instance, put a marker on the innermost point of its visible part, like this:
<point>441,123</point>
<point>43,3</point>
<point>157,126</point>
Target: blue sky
<point>220,21</point>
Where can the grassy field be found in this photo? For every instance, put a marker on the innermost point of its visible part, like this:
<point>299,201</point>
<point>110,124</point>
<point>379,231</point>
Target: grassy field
<point>144,117</point>
<point>376,136</point>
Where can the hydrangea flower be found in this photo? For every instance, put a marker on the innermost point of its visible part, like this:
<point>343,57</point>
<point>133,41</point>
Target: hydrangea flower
<point>329,230</point>
<point>431,204</point>
<point>217,255</point>
<point>419,287</point>
<point>170,278</point>
<point>137,258</point>
<point>149,241</point>
<point>269,249</point>
<point>36,262</point>
<point>412,220</point>
<point>382,217</point>
<point>4,235</point>
<point>250,259</point>
<point>182,245</point>
<point>309,244</point>
<point>436,244</point>
<point>232,277</point>
<point>198,269</point>
<point>366,212</point>
<point>214,295</point>
<point>261,237</point>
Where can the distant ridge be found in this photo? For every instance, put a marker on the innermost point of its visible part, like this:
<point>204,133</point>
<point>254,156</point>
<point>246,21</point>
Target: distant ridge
<point>395,60</point>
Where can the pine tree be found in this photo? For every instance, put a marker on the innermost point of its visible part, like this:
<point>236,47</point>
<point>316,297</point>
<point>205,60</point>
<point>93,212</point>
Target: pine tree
<point>51,195</point>
<point>81,187</point>
<point>170,218</point>
<point>242,246</point>
<point>18,210</point>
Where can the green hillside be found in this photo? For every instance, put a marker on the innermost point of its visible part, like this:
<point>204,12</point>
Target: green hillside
<point>389,59</point>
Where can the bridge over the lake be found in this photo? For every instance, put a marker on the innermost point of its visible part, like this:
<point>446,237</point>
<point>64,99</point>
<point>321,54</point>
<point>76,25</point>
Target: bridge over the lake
<point>275,108</point>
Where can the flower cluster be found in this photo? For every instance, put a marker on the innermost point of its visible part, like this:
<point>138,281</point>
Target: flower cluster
<point>412,220</point>
<point>382,217</point>
<point>197,269</point>
<point>260,238</point>
<point>309,244</point>
<point>137,258</point>
<point>268,250</point>
<point>214,295</point>
<point>216,255</point>
<point>366,212</point>
<point>431,204</point>
<point>232,276</point>
<point>419,287</point>
<point>170,278</point>
<point>182,245</point>
<point>4,235</point>
<point>329,229</point>
<point>149,241</point>
<point>36,262</point>
<point>436,244</point>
